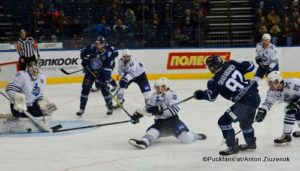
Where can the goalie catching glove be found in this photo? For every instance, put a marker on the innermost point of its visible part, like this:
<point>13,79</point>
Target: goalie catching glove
<point>46,106</point>
<point>19,102</point>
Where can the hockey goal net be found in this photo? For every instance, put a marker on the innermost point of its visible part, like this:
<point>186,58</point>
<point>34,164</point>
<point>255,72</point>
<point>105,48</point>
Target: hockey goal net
<point>7,71</point>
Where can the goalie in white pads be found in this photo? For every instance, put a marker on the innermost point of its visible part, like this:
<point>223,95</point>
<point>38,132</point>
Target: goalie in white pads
<point>283,90</point>
<point>26,93</point>
<point>131,71</point>
<point>162,105</point>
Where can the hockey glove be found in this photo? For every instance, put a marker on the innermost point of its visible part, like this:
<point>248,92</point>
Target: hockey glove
<point>46,106</point>
<point>85,62</point>
<point>258,60</point>
<point>123,83</point>
<point>155,110</point>
<point>293,108</point>
<point>261,114</point>
<point>198,94</point>
<point>135,118</point>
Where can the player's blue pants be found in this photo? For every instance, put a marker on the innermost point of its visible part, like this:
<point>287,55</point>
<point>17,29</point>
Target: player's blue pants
<point>170,126</point>
<point>244,113</point>
<point>103,77</point>
<point>141,81</point>
<point>261,71</point>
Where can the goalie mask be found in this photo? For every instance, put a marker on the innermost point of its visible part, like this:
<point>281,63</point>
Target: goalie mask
<point>34,70</point>
<point>214,63</point>
<point>126,55</point>
<point>161,85</point>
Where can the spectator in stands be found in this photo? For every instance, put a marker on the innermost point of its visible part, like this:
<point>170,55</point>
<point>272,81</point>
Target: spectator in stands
<point>201,27</point>
<point>204,6</point>
<point>275,34</point>
<point>130,18</point>
<point>179,39</point>
<point>296,30</point>
<point>59,24</point>
<point>120,33</point>
<point>286,38</point>
<point>295,15</point>
<point>75,28</point>
<point>273,18</point>
<point>261,31</point>
<point>258,15</point>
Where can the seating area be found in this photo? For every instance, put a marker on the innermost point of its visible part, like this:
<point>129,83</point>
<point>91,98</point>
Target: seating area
<point>152,23</point>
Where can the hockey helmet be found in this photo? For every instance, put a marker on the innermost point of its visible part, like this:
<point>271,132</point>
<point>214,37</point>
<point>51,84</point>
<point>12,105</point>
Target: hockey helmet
<point>162,82</point>
<point>274,76</point>
<point>100,39</point>
<point>214,62</point>
<point>126,52</point>
<point>34,69</point>
<point>266,36</point>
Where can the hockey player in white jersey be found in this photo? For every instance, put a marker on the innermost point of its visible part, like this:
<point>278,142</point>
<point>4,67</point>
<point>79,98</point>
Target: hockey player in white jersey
<point>26,92</point>
<point>282,90</point>
<point>162,105</point>
<point>131,71</point>
<point>266,57</point>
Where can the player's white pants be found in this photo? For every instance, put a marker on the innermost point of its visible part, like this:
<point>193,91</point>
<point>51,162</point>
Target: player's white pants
<point>187,137</point>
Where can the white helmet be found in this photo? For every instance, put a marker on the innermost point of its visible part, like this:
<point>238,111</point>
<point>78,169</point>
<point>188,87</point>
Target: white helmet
<point>266,36</point>
<point>126,52</point>
<point>275,76</point>
<point>162,82</point>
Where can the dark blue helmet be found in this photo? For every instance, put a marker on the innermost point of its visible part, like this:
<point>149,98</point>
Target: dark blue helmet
<point>100,39</point>
<point>214,62</point>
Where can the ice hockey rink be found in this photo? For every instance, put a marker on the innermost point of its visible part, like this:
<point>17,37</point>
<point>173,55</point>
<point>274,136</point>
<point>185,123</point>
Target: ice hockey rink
<point>106,148</point>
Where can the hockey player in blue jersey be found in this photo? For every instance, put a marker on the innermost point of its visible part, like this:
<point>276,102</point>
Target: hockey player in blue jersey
<point>97,58</point>
<point>229,82</point>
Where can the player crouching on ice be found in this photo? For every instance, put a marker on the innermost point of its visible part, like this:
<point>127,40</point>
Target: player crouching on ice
<point>26,92</point>
<point>283,90</point>
<point>162,105</point>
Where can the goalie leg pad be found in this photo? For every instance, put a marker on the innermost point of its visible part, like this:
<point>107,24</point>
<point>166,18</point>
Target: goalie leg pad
<point>46,106</point>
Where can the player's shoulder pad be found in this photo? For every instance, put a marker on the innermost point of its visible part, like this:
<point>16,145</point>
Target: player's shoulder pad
<point>170,94</point>
<point>259,44</point>
<point>272,93</point>
<point>20,73</point>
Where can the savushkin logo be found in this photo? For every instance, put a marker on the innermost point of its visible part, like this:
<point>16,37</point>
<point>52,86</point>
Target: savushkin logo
<point>192,60</point>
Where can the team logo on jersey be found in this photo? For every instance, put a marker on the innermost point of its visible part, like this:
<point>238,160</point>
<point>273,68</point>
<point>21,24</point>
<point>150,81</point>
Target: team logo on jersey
<point>36,90</point>
<point>96,63</point>
<point>192,60</point>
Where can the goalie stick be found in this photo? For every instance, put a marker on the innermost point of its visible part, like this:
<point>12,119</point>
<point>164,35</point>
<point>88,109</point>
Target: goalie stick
<point>42,125</point>
<point>68,73</point>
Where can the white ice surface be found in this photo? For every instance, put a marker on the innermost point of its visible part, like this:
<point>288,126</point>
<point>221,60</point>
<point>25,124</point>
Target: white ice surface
<point>106,148</point>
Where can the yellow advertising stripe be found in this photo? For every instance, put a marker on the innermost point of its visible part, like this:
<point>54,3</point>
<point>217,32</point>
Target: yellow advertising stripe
<point>78,79</point>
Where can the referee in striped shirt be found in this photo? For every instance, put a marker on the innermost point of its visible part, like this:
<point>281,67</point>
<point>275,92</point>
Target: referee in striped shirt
<point>27,47</point>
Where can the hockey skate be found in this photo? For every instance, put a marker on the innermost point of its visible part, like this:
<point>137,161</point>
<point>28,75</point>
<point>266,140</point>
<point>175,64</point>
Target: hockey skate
<point>110,110</point>
<point>80,112</point>
<point>285,138</point>
<point>251,146</point>
<point>296,134</point>
<point>201,136</point>
<point>138,143</point>
<point>117,106</point>
<point>230,150</point>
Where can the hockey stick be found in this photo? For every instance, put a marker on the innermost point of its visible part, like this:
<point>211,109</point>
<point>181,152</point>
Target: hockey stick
<point>68,73</point>
<point>42,125</point>
<point>224,140</point>
<point>91,126</point>
<point>116,100</point>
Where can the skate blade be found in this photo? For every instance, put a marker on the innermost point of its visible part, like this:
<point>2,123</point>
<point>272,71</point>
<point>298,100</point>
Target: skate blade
<point>282,144</point>
<point>132,142</point>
